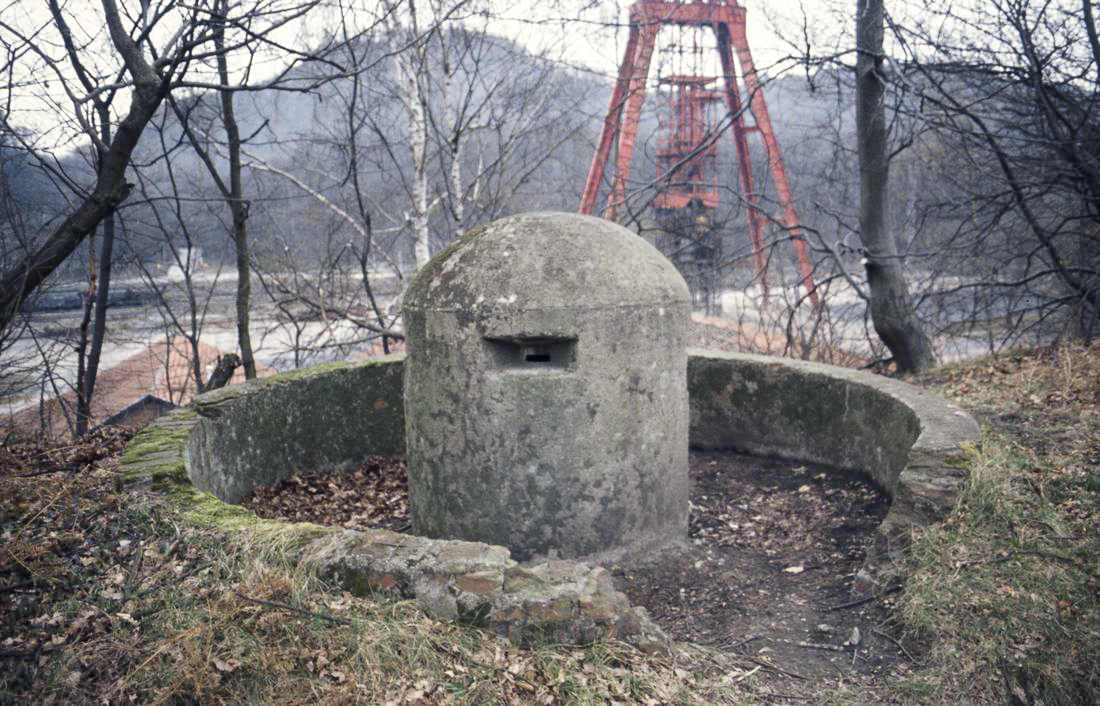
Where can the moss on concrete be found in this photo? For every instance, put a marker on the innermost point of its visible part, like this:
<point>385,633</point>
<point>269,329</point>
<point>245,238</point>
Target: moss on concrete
<point>168,432</point>
<point>328,417</point>
<point>555,601</point>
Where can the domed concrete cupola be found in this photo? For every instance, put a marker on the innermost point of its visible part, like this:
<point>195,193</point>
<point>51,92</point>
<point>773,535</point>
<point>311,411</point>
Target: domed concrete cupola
<point>545,389</point>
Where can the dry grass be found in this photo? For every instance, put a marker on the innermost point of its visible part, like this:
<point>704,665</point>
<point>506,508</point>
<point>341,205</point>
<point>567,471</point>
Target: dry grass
<point>108,595</point>
<point>1008,588</point>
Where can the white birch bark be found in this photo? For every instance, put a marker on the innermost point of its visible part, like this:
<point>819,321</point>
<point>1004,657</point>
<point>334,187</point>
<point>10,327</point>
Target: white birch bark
<point>410,58</point>
<point>450,115</point>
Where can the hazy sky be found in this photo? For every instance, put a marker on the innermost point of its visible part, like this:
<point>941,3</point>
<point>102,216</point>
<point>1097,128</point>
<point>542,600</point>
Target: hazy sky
<point>591,34</point>
<point>595,36</point>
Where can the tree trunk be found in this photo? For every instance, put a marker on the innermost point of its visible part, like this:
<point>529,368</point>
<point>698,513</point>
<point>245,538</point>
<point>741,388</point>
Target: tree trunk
<point>19,281</point>
<point>418,145</point>
<point>410,63</point>
<point>99,323</point>
<point>83,393</point>
<point>892,311</point>
<point>102,287</point>
<point>238,208</point>
<point>95,313</point>
<point>454,137</point>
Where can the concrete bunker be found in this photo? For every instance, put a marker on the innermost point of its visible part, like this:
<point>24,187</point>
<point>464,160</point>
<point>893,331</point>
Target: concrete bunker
<point>546,391</point>
<point>230,441</point>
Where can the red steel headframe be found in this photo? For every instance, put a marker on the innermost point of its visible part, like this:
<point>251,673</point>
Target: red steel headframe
<point>727,19</point>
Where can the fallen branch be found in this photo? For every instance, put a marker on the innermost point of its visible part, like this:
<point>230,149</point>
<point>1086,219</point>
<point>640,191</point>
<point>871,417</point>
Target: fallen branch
<point>15,586</point>
<point>741,643</point>
<point>774,668</point>
<point>292,609</point>
<point>69,468</point>
<point>891,639</point>
<point>135,568</point>
<point>865,599</point>
<point>819,646</point>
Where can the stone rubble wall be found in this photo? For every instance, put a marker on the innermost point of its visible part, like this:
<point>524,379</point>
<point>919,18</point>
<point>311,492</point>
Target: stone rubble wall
<point>263,430</point>
<point>556,601</point>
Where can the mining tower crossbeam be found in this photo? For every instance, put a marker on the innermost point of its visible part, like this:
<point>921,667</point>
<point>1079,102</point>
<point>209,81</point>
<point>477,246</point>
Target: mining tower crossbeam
<point>620,128</point>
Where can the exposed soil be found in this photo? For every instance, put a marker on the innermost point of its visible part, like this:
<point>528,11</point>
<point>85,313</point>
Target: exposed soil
<point>767,569</point>
<point>765,572</point>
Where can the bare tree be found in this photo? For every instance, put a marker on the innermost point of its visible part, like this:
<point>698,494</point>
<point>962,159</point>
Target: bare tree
<point>230,185</point>
<point>493,121</point>
<point>147,51</point>
<point>989,112</point>
<point>150,80</point>
<point>152,56</point>
<point>1007,90</point>
<point>163,222</point>
<point>420,49</point>
<point>890,304</point>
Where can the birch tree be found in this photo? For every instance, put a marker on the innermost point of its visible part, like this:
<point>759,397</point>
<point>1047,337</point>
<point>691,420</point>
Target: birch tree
<point>409,48</point>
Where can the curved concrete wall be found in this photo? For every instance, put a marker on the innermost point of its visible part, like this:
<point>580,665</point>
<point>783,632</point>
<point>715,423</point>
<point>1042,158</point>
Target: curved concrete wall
<point>802,412</point>
<point>229,441</point>
<point>907,440</point>
<point>329,416</point>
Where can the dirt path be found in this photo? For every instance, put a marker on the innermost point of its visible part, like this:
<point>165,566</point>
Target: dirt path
<point>772,549</point>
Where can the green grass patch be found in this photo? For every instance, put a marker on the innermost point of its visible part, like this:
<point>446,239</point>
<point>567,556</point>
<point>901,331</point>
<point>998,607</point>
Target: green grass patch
<point>1007,589</point>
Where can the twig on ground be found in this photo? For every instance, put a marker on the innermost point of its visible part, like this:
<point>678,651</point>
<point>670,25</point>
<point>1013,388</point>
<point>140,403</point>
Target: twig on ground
<point>740,643</point>
<point>891,639</point>
<point>819,646</point>
<point>70,468</point>
<point>797,698</point>
<point>135,569</point>
<point>292,609</point>
<point>15,586</point>
<point>865,599</point>
<point>774,668</point>
<point>47,506</point>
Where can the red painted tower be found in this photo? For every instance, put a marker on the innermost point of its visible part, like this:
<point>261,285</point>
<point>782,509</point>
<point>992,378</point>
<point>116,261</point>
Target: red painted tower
<point>686,189</point>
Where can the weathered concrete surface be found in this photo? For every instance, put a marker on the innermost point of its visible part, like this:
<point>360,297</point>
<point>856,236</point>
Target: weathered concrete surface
<point>545,389</point>
<point>330,416</point>
<point>736,402</point>
<point>556,601</point>
<point>912,443</point>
